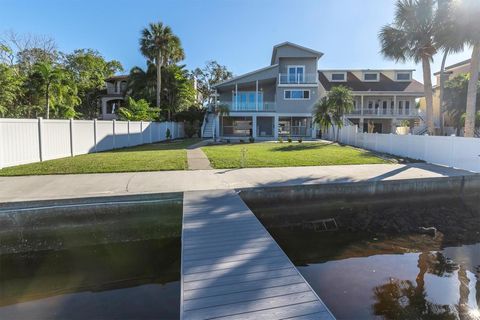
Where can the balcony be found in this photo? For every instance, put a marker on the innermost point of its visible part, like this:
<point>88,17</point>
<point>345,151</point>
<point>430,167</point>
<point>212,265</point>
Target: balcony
<point>307,78</point>
<point>264,106</point>
<point>380,112</point>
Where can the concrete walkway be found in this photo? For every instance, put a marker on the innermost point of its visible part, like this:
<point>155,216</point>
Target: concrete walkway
<point>85,185</point>
<point>197,160</point>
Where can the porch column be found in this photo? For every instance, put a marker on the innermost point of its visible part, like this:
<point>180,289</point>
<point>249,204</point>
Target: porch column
<point>395,105</point>
<point>256,95</point>
<point>361,105</point>
<point>394,125</point>
<point>236,97</point>
<point>254,126</point>
<point>360,125</point>
<point>275,127</point>
<point>314,129</point>
<point>216,100</point>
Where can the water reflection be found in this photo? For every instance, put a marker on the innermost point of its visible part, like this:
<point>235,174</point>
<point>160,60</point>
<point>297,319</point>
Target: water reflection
<point>402,277</point>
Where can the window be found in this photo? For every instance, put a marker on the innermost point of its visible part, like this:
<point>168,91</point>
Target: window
<point>338,77</point>
<point>403,76</point>
<point>370,76</point>
<point>296,74</point>
<point>297,94</point>
<point>245,100</point>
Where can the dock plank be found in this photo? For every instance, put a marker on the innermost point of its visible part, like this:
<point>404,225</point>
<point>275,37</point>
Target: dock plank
<point>233,269</point>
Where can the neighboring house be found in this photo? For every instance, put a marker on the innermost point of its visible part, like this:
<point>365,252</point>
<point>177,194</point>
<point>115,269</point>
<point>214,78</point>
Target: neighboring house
<point>382,98</point>
<point>114,98</point>
<point>277,101</point>
<point>450,73</point>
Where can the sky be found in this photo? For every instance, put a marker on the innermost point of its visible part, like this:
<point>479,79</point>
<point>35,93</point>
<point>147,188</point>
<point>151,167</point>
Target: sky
<point>237,33</point>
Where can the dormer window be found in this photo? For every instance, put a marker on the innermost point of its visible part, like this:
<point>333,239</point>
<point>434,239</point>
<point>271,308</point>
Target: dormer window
<point>339,77</point>
<point>403,76</point>
<point>370,76</point>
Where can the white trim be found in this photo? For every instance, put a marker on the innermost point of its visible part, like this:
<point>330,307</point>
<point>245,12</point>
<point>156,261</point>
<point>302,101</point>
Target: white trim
<point>245,75</point>
<point>298,85</point>
<point>344,77</point>
<point>285,92</point>
<point>403,80</point>
<point>371,72</point>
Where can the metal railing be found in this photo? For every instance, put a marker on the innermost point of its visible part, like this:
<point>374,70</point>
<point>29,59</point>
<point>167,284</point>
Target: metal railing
<point>385,112</point>
<point>303,78</point>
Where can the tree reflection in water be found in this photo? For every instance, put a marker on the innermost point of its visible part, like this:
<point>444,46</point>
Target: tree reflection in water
<point>403,299</point>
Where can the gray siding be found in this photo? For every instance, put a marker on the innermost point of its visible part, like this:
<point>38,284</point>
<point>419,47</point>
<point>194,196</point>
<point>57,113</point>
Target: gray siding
<point>309,63</point>
<point>292,52</point>
<point>296,106</point>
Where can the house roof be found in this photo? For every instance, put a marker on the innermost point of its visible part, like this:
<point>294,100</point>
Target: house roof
<point>243,76</point>
<point>453,66</point>
<point>318,54</point>
<point>384,85</point>
<point>118,77</point>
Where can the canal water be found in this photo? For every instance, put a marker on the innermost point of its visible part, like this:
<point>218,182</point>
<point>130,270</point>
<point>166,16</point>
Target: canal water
<point>100,261</point>
<point>389,256</point>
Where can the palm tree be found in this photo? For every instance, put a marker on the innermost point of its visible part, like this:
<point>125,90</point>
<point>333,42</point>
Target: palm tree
<point>160,46</point>
<point>467,13</point>
<point>341,100</point>
<point>450,41</point>
<point>412,37</point>
<point>322,114</point>
<point>330,110</point>
<point>49,76</point>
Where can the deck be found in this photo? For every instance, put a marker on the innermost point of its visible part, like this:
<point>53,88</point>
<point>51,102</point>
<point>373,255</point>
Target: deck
<point>233,269</point>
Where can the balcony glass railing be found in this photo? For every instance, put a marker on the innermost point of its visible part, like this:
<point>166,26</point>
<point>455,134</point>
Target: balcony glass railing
<point>299,78</point>
<point>263,106</point>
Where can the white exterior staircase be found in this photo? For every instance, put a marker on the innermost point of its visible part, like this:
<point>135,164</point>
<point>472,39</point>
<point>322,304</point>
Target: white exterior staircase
<point>208,127</point>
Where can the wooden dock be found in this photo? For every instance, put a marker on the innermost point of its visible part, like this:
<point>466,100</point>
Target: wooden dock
<point>233,269</point>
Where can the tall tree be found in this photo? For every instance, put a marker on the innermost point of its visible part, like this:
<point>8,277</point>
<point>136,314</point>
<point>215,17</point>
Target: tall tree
<point>11,90</point>
<point>161,46</point>
<point>89,69</point>
<point>212,73</point>
<point>411,36</point>
<point>456,90</point>
<point>49,75</point>
<point>449,40</point>
<point>467,13</point>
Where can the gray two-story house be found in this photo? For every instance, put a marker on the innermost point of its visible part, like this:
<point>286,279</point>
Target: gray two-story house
<point>277,101</point>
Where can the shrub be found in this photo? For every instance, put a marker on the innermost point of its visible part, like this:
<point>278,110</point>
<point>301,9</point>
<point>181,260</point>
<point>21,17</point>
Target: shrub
<point>228,141</point>
<point>190,129</point>
<point>242,141</point>
<point>289,140</point>
<point>168,134</point>
<point>251,139</point>
<point>280,140</point>
<point>300,140</point>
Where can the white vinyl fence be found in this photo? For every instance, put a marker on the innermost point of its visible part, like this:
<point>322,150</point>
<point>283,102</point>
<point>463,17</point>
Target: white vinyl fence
<point>451,151</point>
<point>32,140</point>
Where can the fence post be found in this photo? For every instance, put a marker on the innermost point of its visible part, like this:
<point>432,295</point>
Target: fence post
<point>141,131</point>
<point>40,140</point>
<point>95,134</point>
<point>113,129</point>
<point>150,131</point>
<point>128,133</point>
<point>71,138</point>
<point>1,148</point>
<point>453,150</point>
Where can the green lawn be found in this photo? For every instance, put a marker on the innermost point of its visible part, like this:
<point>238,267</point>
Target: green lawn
<point>295,154</point>
<point>149,157</point>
